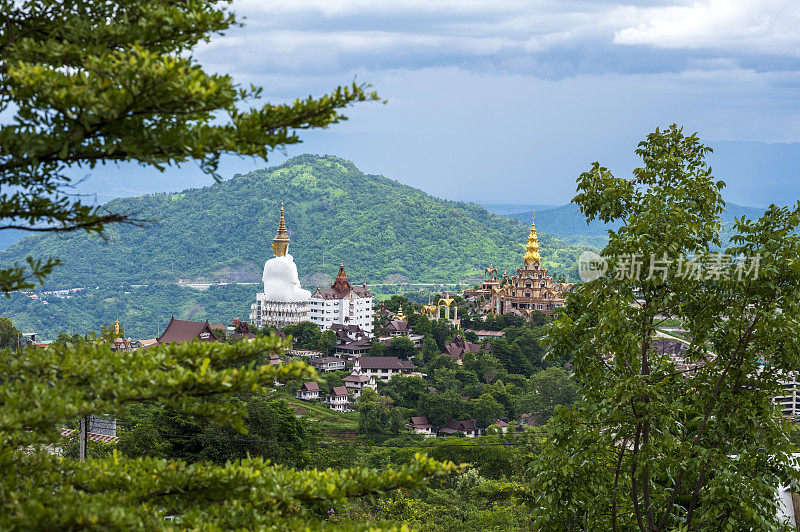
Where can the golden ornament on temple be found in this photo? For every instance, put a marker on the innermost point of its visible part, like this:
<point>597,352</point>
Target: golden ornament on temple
<point>280,244</point>
<point>532,256</point>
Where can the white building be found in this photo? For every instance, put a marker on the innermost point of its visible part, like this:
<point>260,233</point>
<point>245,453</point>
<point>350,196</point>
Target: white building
<point>283,302</point>
<point>309,391</point>
<point>383,368</point>
<point>357,381</point>
<point>789,400</point>
<point>338,399</point>
<point>342,304</point>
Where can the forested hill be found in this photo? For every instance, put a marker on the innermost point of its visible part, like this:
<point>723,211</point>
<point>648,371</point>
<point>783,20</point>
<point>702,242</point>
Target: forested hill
<point>383,230</point>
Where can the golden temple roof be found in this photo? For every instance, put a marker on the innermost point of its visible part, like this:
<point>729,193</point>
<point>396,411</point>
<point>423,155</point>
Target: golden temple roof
<point>532,256</point>
<point>280,244</point>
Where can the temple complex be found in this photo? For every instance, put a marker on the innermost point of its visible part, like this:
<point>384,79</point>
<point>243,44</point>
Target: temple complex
<point>530,290</point>
<point>283,301</point>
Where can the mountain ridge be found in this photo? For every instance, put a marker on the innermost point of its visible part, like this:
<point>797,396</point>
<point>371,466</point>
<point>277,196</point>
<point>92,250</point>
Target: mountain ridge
<point>222,232</point>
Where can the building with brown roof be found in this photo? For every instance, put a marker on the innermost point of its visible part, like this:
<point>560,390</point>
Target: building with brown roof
<point>384,368</point>
<point>328,363</point>
<point>342,304</point>
<point>357,381</point>
<point>338,399</point>
<point>420,425</point>
<point>468,428</point>
<point>309,391</point>
<point>240,329</point>
<point>185,331</point>
<point>459,347</point>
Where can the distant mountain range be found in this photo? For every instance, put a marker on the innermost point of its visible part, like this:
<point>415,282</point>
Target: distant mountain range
<point>567,223</point>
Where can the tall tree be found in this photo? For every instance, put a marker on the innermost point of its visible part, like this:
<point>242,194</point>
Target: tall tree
<point>651,444</point>
<point>9,335</point>
<point>85,83</point>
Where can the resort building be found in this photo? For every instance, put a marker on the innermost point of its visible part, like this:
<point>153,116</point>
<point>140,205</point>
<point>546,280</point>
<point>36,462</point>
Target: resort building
<point>342,304</point>
<point>383,368</point>
<point>338,399</point>
<point>309,391</point>
<point>283,302</point>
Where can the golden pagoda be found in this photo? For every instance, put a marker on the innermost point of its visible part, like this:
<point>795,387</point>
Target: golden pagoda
<point>532,256</point>
<point>530,290</point>
<point>280,244</point>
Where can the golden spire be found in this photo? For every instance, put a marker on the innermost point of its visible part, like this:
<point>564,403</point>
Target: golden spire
<point>532,256</point>
<point>280,244</point>
<point>116,327</point>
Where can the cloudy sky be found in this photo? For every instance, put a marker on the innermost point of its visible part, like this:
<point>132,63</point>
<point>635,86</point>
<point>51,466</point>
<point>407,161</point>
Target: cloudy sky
<point>508,101</point>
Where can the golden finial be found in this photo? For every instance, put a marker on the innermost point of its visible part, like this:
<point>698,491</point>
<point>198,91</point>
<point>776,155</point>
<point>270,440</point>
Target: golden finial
<point>280,244</point>
<point>532,256</point>
<point>116,327</point>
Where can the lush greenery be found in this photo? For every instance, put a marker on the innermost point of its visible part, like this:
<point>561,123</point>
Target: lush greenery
<point>144,311</point>
<point>385,231</point>
<point>654,445</point>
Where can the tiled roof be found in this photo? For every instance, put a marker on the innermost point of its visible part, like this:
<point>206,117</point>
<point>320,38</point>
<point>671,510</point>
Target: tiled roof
<point>357,345</point>
<point>420,421</point>
<point>325,360</point>
<point>356,378</point>
<point>183,331</point>
<point>338,391</point>
<point>312,386</point>
<point>469,424</point>
<point>397,325</point>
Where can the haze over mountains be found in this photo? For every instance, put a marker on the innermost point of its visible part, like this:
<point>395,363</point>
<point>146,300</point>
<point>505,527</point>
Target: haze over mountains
<point>757,174</point>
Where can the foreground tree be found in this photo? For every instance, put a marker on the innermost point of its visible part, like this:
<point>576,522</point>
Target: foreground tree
<point>651,444</point>
<point>42,491</point>
<point>9,335</point>
<point>85,82</point>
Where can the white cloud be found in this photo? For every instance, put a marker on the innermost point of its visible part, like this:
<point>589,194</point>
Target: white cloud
<point>749,26</point>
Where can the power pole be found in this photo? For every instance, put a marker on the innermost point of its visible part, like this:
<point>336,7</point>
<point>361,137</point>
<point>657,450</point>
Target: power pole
<point>83,437</point>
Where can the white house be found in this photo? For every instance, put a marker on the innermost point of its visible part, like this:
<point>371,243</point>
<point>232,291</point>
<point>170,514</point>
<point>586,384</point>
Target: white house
<point>357,381</point>
<point>338,399</point>
<point>309,391</point>
<point>420,425</point>
<point>383,368</point>
<point>342,304</point>
<point>328,363</point>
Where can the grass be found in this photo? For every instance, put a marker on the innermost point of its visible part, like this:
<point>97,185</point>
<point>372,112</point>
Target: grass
<point>336,424</point>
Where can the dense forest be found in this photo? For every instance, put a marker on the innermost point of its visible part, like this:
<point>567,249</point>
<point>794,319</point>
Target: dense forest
<point>383,230</point>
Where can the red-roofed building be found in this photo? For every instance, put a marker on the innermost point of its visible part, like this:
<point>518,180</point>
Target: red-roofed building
<point>309,391</point>
<point>342,304</point>
<point>338,399</point>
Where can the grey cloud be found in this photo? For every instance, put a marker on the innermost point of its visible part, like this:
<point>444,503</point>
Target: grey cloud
<point>547,39</point>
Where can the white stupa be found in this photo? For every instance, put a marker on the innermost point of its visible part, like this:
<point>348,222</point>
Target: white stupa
<point>283,301</point>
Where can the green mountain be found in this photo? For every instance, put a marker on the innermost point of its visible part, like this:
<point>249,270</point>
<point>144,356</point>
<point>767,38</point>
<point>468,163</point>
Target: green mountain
<point>385,232</point>
<point>382,229</point>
